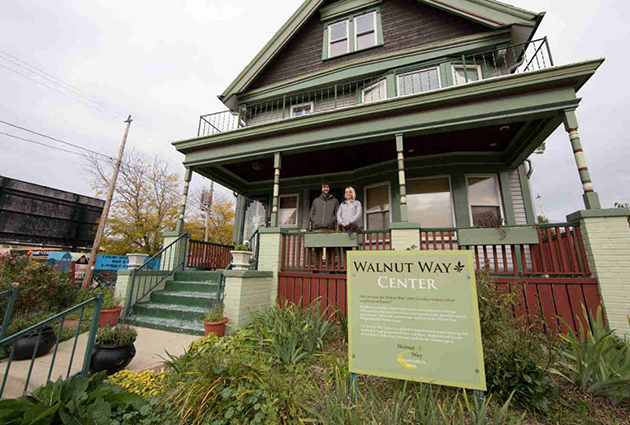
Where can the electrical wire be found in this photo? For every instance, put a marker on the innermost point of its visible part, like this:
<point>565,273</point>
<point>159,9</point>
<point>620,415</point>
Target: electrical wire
<point>40,143</point>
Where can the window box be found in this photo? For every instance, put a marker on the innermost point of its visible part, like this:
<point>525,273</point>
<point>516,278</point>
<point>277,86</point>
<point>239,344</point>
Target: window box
<point>497,236</point>
<point>331,240</point>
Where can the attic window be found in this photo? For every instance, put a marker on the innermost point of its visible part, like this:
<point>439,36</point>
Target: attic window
<point>339,41</point>
<point>349,33</point>
<point>365,30</point>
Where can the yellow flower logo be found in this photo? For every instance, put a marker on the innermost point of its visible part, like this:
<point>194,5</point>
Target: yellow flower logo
<point>404,363</point>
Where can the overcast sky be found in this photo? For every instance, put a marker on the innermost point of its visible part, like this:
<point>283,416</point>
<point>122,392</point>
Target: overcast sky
<point>165,62</point>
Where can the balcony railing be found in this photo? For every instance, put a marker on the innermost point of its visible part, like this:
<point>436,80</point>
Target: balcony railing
<point>415,79</point>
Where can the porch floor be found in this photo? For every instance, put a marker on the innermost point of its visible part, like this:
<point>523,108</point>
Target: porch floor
<point>150,345</point>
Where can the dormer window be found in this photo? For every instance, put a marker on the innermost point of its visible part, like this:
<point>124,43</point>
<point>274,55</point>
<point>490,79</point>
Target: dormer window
<point>339,40</point>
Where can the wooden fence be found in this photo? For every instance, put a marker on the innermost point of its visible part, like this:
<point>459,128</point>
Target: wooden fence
<point>207,255</point>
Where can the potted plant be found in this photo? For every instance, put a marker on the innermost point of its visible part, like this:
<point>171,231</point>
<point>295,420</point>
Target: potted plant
<point>114,348</point>
<point>215,321</point>
<point>240,257</point>
<point>110,309</point>
<point>25,346</point>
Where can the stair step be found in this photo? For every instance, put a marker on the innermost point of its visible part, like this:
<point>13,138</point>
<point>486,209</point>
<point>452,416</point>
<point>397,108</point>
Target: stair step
<point>170,311</point>
<point>198,276</point>
<point>191,286</point>
<point>172,325</point>
<point>184,298</point>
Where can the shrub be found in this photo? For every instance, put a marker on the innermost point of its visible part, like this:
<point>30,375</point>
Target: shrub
<point>290,333</point>
<point>215,314</point>
<point>77,400</point>
<point>25,320</point>
<point>41,288</point>
<point>145,384</point>
<point>517,356</point>
<point>596,361</point>
<point>119,335</point>
<point>241,248</point>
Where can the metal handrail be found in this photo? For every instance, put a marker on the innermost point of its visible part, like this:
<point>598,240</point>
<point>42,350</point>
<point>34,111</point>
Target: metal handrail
<point>39,328</point>
<point>142,285</point>
<point>12,294</point>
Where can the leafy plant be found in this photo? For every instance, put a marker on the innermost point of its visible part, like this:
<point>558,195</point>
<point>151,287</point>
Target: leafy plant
<point>241,248</point>
<point>145,384</point>
<point>25,320</point>
<point>110,299</point>
<point>596,361</point>
<point>77,400</point>
<point>290,333</point>
<point>216,313</point>
<point>118,336</point>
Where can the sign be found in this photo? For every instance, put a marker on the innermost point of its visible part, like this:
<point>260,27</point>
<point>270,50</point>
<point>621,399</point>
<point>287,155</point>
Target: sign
<point>413,315</point>
<point>111,262</point>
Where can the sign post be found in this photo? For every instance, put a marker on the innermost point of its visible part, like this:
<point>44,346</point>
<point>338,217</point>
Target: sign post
<point>414,315</point>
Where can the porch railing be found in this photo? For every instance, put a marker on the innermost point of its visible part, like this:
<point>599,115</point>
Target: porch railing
<point>38,331</point>
<point>155,271</point>
<point>10,295</point>
<point>208,255</point>
<point>419,78</point>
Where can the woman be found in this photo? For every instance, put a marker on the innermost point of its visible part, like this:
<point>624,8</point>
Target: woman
<point>349,211</point>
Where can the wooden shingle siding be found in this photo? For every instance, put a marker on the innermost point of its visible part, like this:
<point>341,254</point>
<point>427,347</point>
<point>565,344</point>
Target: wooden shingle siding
<point>406,24</point>
<point>517,198</point>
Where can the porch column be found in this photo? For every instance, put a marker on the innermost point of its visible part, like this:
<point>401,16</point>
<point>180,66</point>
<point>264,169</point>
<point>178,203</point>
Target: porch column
<point>239,219</point>
<point>182,209</point>
<point>277,161</point>
<point>401,177</point>
<point>591,199</point>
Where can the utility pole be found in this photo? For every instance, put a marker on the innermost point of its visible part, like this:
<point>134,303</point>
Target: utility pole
<point>206,201</point>
<point>108,201</point>
<point>542,208</point>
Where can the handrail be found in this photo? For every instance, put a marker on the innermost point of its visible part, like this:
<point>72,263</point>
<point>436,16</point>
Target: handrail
<point>211,243</point>
<point>171,258</point>
<point>12,293</point>
<point>39,328</point>
<point>253,262</point>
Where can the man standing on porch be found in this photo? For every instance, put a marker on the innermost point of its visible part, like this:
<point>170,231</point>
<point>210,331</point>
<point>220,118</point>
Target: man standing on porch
<point>324,211</point>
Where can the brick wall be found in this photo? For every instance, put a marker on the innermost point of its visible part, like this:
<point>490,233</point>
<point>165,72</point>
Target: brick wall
<point>269,258</point>
<point>245,295</point>
<point>406,24</point>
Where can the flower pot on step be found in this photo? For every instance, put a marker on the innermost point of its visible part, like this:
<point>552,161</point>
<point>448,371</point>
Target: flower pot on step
<point>111,358</point>
<point>240,259</point>
<point>217,328</point>
<point>109,317</point>
<point>25,346</point>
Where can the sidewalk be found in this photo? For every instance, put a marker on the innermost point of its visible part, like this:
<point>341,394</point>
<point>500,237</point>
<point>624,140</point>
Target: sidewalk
<point>150,345</point>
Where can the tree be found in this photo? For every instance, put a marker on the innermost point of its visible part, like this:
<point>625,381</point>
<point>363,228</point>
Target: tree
<point>220,222</point>
<point>542,219</point>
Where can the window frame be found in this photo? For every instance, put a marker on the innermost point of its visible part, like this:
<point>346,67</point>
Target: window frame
<point>330,42</point>
<point>461,65</point>
<point>498,192</point>
<point>374,30</point>
<point>297,210</point>
<point>403,74</point>
<point>299,105</point>
<point>382,82</point>
<point>365,202</point>
<point>450,188</point>
<point>349,17</point>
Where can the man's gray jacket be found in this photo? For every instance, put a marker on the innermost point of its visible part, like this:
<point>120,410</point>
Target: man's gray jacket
<point>324,212</point>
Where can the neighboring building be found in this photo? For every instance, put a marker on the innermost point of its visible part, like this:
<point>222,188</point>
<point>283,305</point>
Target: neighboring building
<point>430,110</point>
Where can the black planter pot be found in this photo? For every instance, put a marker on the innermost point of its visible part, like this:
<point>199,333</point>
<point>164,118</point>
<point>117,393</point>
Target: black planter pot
<point>25,346</point>
<point>111,358</point>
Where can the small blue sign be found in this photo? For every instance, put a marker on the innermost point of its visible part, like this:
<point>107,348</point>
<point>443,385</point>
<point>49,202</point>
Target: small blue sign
<point>111,262</point>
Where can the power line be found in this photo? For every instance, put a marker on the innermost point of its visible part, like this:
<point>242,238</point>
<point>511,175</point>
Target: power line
<point>41,144</point>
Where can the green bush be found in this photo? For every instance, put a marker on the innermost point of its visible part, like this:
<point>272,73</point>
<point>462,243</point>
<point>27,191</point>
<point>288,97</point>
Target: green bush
<point>596,361</point>
<point>41,288</point>
<point>77,400</point>
<point>215,314</point>
<point>289,333</point>
<point>119,335</point>
<point>517,357</point>
<point>24,321</point>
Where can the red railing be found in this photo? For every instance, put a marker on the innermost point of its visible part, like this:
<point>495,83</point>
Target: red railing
<point>208,255</point>
<point>297,257</point>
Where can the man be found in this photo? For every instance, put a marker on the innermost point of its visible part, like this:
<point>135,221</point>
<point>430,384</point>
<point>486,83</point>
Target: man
<point>324,211</point>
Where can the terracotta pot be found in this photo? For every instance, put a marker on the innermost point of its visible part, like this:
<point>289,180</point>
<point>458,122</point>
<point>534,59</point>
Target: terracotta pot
<point>111,358</point>
<point>109,317</point>
<point>217,328</point>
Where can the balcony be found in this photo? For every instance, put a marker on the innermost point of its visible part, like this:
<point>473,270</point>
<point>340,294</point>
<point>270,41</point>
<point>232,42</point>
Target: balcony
<point>421,78</point>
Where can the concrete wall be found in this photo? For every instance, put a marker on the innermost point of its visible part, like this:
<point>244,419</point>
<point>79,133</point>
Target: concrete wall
<point>269,256</point>
<point>245,293</point>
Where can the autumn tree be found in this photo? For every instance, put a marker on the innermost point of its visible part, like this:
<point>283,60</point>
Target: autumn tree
<point>220,221</point>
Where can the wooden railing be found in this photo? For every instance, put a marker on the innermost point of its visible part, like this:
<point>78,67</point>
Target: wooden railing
<point>297,257</point>
<point>208,255</point>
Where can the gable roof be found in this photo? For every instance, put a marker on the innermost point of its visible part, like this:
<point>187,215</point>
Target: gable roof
<point>491,13</point>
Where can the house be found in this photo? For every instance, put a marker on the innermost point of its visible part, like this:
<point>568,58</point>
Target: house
<point>429,109</point>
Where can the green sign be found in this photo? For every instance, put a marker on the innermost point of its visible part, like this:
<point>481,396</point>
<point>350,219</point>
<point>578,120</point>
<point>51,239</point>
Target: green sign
<point>413,315</point>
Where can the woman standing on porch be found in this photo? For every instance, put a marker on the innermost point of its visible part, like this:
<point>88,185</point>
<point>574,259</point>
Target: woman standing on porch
<point>349,211</point>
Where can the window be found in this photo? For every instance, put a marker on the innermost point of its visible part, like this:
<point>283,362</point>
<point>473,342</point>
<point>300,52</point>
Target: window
<point>418,81</point>
<point>365,31</point>
<point>302,109</point>
<point>429,202</point>
<point>338,38</point>
<point>374,92</point>
<point>287,213</point>
<point>377,207</point>
<point>461,72</point>
<point>485,201</point>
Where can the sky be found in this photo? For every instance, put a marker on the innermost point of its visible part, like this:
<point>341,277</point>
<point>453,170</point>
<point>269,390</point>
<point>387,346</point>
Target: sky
<point>165,62</point>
